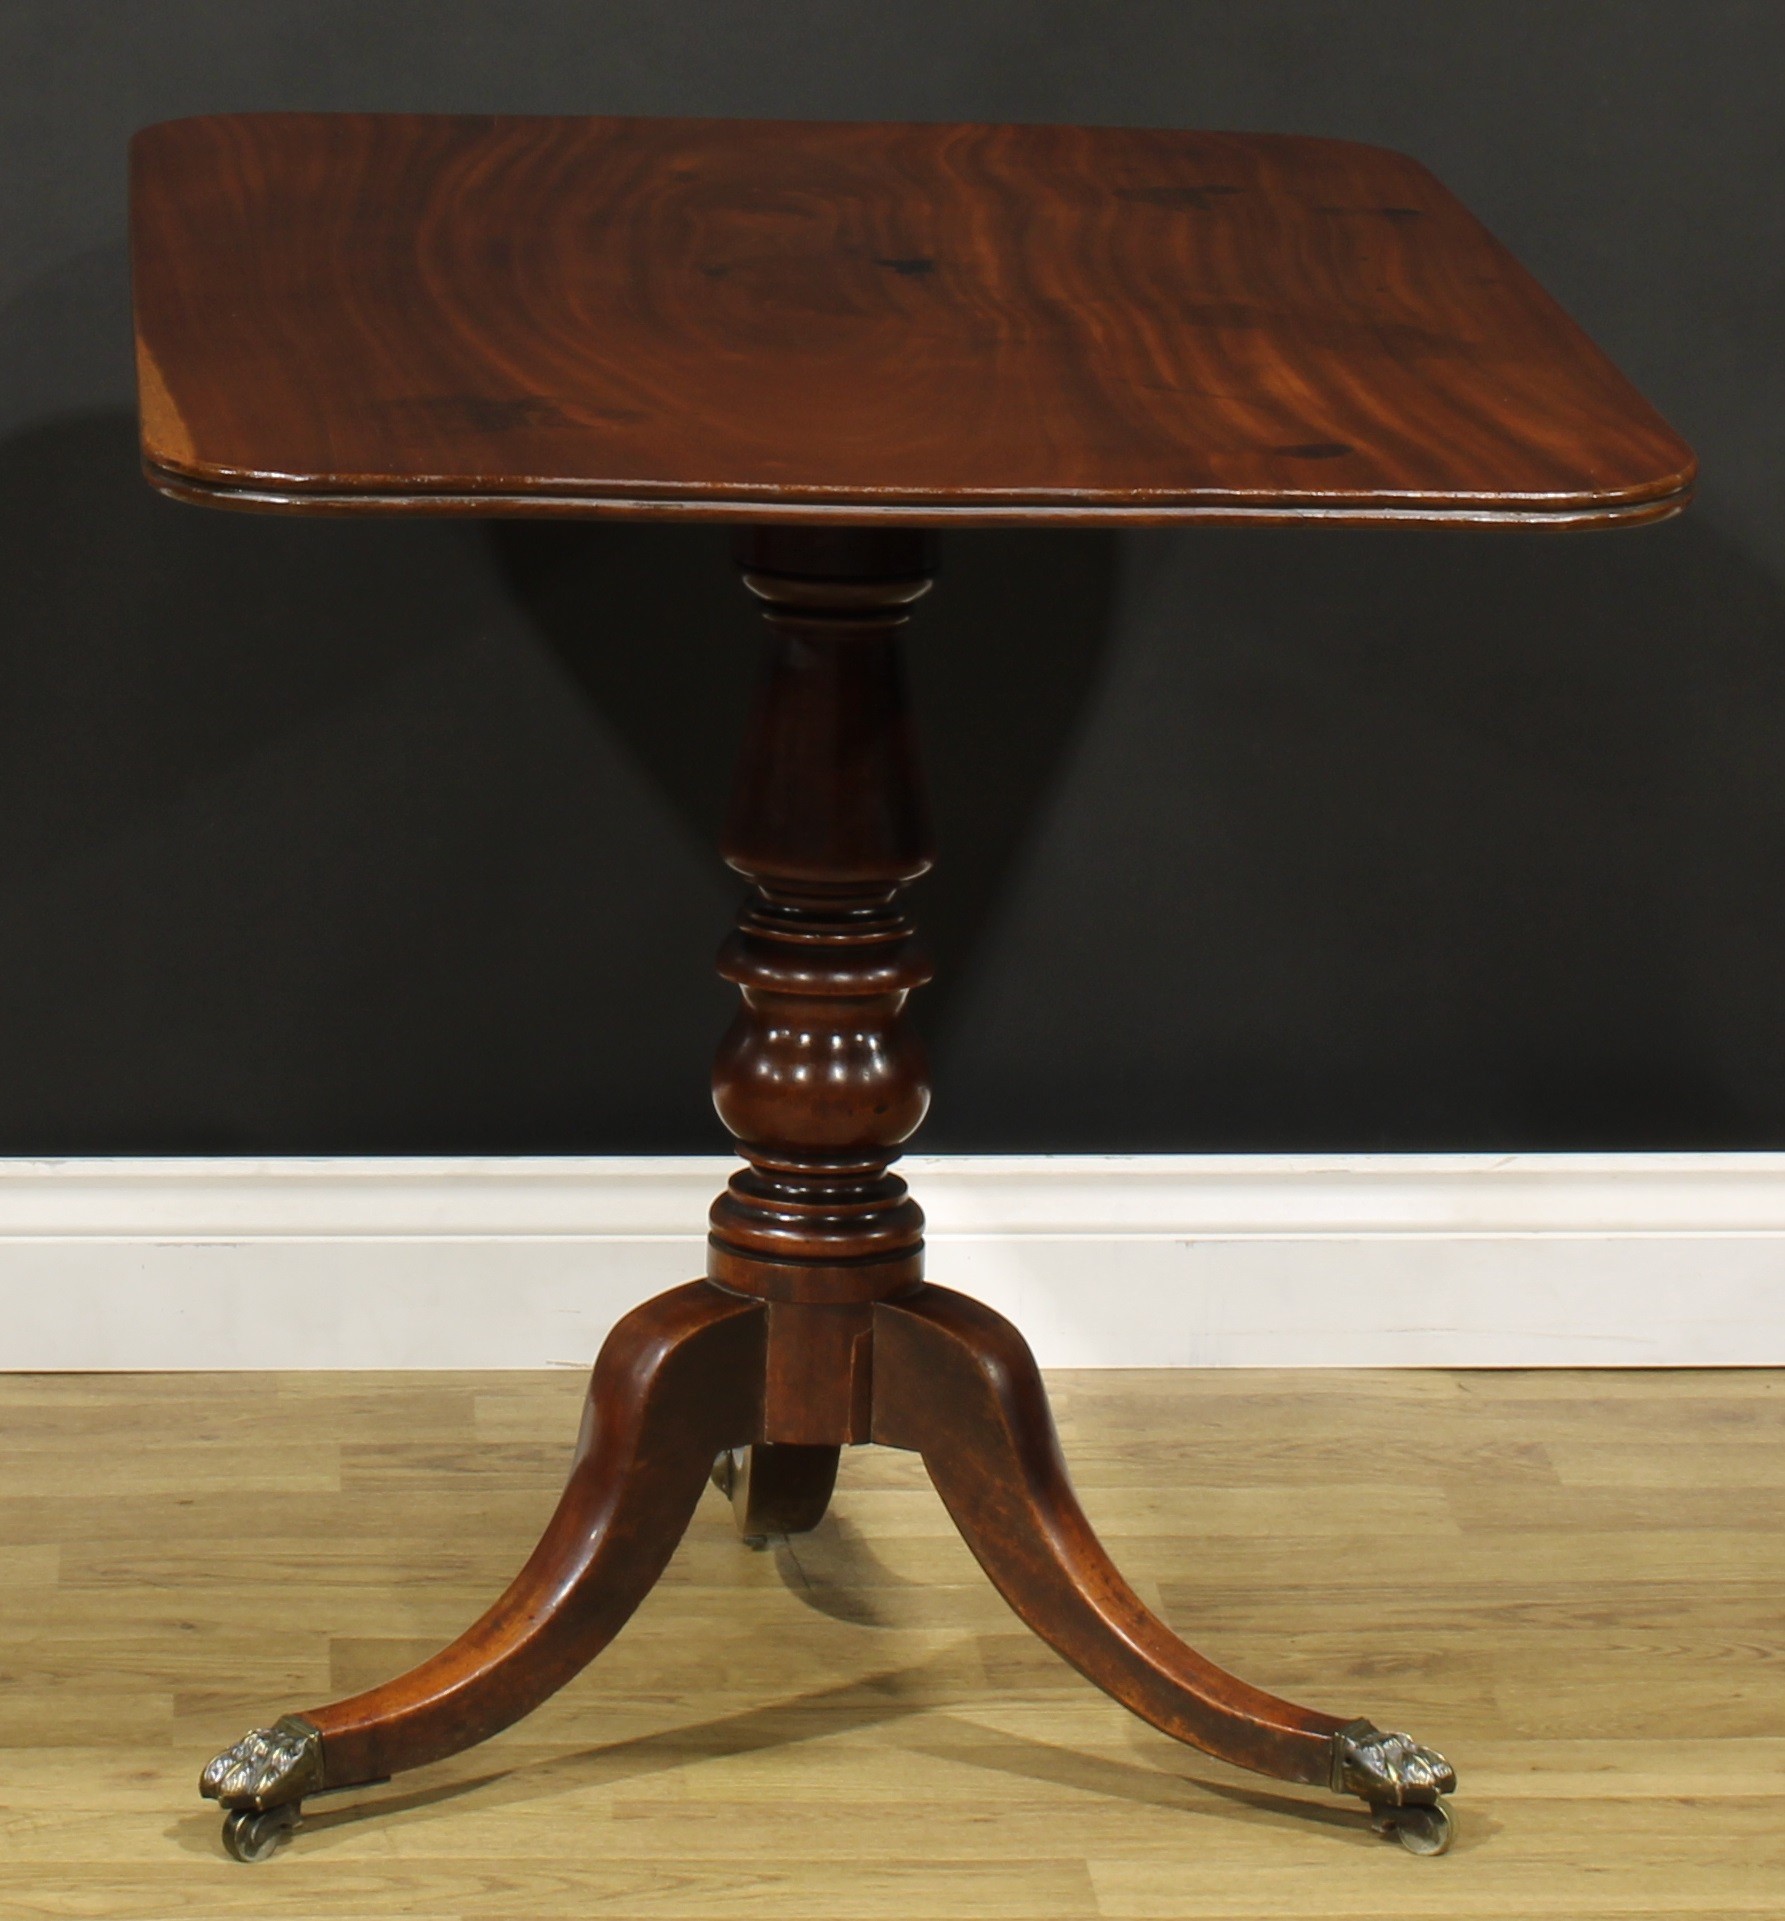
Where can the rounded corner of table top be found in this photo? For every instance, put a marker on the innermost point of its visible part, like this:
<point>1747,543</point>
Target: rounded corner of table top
<point>153,133</point>
<point>147,141</point>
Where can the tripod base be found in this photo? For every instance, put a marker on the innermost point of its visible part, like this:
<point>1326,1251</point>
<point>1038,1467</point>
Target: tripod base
<point>687,1380</point>
<point>815,1328</point>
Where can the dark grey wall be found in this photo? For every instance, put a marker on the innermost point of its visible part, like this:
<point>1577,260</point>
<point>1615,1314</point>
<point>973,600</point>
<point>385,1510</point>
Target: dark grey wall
<point>320,837</point>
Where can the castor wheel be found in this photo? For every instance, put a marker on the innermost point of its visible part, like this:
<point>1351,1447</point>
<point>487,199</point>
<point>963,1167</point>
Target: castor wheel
<point>731,1476</point>
<point>776,1488</point>
<point>1422,1827</point>
<point>251,1834</point>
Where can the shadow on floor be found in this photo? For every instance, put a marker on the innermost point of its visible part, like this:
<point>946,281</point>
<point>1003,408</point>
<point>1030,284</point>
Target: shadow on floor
<point>914,1704</point>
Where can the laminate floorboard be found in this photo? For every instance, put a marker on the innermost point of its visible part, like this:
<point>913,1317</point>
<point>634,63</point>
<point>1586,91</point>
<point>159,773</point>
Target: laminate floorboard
<point>1567,1581</point>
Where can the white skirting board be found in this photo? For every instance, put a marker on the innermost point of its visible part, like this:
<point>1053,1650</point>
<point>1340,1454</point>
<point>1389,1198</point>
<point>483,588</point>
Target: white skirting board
<point>1527,1260</point>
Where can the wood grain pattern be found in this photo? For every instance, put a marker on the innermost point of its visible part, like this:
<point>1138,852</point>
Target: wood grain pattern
<point>934,323</point>
<point>853,1726</point>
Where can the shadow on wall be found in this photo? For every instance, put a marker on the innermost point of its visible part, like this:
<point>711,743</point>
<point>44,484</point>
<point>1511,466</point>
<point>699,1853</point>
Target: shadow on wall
<point>335,836</point>
<point>319,836</point>
<point>1406,839</point>
<point>307,848</point>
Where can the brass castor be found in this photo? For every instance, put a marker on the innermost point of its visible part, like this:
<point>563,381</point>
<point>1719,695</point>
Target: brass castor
<point>1403,1783</point>
<point>251,1834</point>
<point>1421,1827</point>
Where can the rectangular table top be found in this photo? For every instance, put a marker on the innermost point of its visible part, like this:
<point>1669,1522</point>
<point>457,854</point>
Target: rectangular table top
<point>925,323</point>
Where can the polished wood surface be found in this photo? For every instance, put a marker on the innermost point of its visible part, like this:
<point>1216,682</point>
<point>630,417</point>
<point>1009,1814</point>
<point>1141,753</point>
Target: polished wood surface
<point>1571,1579</point>
<point>937,323</point>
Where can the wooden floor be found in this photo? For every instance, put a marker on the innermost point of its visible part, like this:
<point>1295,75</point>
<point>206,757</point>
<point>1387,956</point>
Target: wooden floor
<point>1572,1583</point>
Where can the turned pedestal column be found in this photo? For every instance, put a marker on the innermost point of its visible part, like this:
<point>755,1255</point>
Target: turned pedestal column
<point>822,1078</point>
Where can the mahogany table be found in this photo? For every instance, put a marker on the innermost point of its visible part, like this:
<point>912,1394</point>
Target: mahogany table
<point>840,337</point>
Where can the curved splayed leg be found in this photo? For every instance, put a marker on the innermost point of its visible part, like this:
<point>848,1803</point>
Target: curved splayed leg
<point>956,1382</point>
<point>678,1381</point>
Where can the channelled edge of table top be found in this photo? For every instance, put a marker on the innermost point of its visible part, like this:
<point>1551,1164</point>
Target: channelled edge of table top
<point>1568,512</point>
